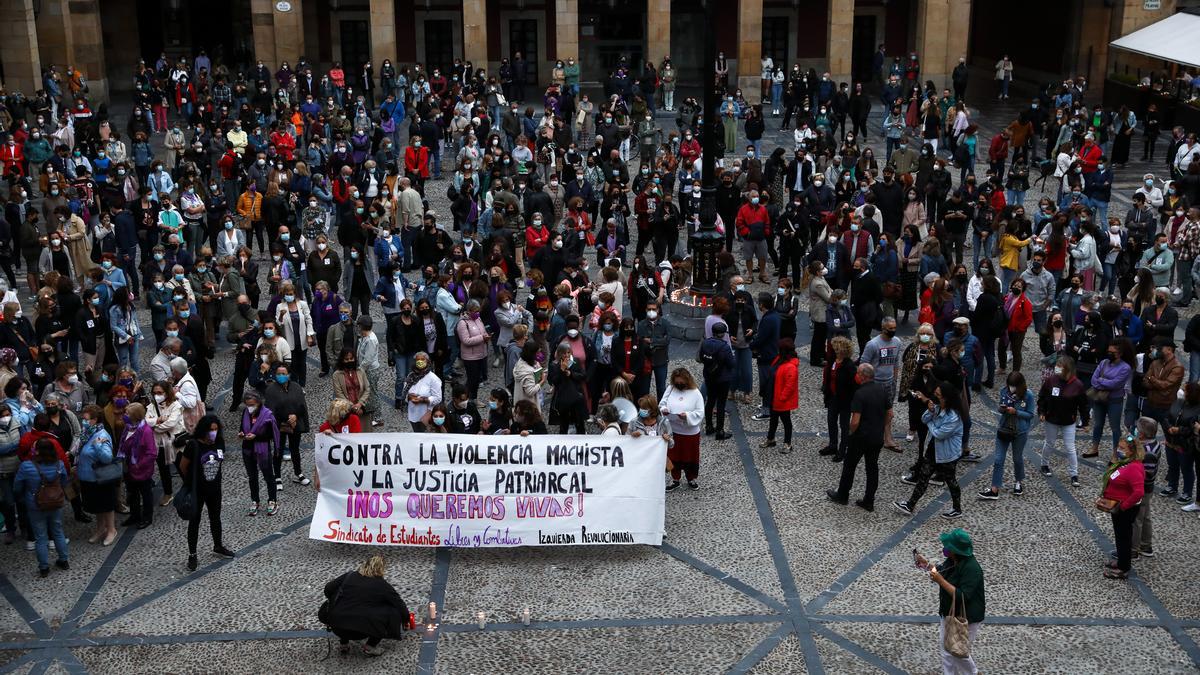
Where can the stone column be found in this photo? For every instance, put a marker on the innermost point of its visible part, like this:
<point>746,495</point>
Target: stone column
<point>262,22</point>
<point>474,21</point>
<point>958,31</point>
<point>566,30</point>
<point>658,30</point>
<point>89,46</point>
<point>289,34</point>
<point>841,39</point>
<point>933,21</point>
<point>54,35</point>
<point>278,36</point>
<point>19,47</point>
<point>383,32</point>
<point>749,65</point>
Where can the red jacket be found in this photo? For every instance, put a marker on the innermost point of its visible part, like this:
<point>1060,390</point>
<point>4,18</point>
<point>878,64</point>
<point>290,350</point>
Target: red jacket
<point>341,189</point>
<point>786,395</point>
<point>228,164</point>
<point>1089,157</point>
<point>30,439</point>
<point>535,239</point>
<point>1022,313</point>
<point>284,144</point>
<point>13,157</point>
<point>998,150</point>
<point>184,93</point>
<point>416,160</point>
<point>753,215</point>
<point>688,151</point>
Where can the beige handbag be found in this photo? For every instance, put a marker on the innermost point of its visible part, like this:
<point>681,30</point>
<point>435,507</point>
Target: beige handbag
<point>957,640</point>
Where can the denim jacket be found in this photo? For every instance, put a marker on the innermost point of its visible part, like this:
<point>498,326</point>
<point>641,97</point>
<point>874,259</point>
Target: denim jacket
<point>1026,409</point>
<point>947,430</point>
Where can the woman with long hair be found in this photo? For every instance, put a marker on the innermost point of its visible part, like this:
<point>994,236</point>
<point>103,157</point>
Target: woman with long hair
<point>1015,415</point>
<point>785,394</point>
<point>944,416</point>
<point>200,466</point>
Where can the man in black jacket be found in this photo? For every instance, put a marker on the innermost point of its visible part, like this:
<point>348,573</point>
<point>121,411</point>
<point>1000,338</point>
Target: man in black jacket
<point>889,199</point>
<point>866,297</point>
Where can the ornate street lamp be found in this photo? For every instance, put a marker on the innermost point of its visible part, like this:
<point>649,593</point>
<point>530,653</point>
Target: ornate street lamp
<point>706,242</point>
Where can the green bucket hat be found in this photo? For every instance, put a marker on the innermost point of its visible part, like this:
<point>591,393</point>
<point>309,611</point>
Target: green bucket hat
<point>958,542</point>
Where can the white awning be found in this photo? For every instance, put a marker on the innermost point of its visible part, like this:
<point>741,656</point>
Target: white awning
<point>1175,38</point>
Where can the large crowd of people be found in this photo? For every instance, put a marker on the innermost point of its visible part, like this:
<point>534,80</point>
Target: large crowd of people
<point>280,216</point>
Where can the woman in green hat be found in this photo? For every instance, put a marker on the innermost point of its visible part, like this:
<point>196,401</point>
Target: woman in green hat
<point>960,579</point>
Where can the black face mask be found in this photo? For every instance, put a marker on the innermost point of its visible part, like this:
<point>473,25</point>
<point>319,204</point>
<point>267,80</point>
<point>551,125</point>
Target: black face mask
<point>1160,301</point>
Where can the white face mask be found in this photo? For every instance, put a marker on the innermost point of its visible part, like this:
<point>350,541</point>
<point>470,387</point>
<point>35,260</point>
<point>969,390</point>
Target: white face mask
<point>160,398</point>
<point>652,315</point>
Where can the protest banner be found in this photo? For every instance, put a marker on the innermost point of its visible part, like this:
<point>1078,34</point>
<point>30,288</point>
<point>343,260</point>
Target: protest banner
<point>418,489</point>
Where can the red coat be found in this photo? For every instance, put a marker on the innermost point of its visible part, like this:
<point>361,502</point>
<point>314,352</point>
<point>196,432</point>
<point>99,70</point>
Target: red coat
<point>786,394</point>
<point>341,190</point>
<point>416,161</point>
<point>13,157</point>
<point>1022,314</point>
<point>184,93</point>
<point>1089,157</point>
<point>750,213</point>
<point>30,439</point>
<point>998,150</point>
<point>284,144</point>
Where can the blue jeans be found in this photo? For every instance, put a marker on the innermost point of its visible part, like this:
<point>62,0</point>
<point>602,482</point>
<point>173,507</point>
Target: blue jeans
<point>1014,197</point>
<point>1004,87</point>
<point>48,524</point>
<point>452,343</point>
<point>660,379</point>
<point>403,366</point>
<point>1018,456</point>
<point>989,357</point>
<point>776,96</point>
<point>1112,409</point>
<point>743,376</point>
<point>1006,278</point>
<point>1194,366</point>
<point>1108,282</point>
<point>982,246</point>
<point>1100,213</point>
<point>127,353</point>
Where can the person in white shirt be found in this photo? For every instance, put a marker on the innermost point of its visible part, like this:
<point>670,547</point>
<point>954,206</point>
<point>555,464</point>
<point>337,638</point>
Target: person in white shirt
<point>684,407</point>
<point>422,391</point>
<point>1154,195</point>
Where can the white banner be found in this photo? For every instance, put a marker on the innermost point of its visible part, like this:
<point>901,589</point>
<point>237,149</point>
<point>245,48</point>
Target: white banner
<point>408,489</point>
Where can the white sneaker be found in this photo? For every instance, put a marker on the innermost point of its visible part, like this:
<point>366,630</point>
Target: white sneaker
<point>910,437</point>
<point>1194,506</point>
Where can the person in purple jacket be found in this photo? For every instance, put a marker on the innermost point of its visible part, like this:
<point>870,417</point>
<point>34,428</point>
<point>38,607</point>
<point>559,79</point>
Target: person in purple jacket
<point>1112,377</point>
<point>325,315</point>
<point>141,455</point>
<point>260,436</point>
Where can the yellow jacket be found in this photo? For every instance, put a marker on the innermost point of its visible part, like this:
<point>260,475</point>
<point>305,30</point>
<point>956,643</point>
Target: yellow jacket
<point>249,205</point>
<point>1010,250</point>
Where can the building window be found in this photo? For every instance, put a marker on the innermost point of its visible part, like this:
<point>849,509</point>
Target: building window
<point>356,45</point>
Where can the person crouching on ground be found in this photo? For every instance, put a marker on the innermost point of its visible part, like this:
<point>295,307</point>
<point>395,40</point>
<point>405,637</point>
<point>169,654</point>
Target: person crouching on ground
<point>362,605</point>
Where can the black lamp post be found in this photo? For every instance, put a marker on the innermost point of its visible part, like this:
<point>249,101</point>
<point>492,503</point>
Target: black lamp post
<point>706,241</point>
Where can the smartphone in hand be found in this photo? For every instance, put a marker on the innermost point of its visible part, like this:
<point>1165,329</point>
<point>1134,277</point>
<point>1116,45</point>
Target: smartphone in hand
<point>920,561</point>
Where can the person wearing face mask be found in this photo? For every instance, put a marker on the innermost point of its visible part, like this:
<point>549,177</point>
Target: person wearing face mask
<point>351,383</point>
<point>199,466</point>
<point>568,376</point>
<point>462,415</point>
<point>1061,401</point>
<point>1109,382</point>
<point>1158,320</point>
<point>473,340</point>
<point>1122,492</point>
<point>287,402</point>
<point>960,595</point>
<point>164,414</point>
<point>140,451</point>
<point>943,416</point>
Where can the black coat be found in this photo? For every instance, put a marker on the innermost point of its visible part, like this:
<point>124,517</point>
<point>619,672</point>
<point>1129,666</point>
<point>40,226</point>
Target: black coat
<point>866,297</point>
<point>366,605</point>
